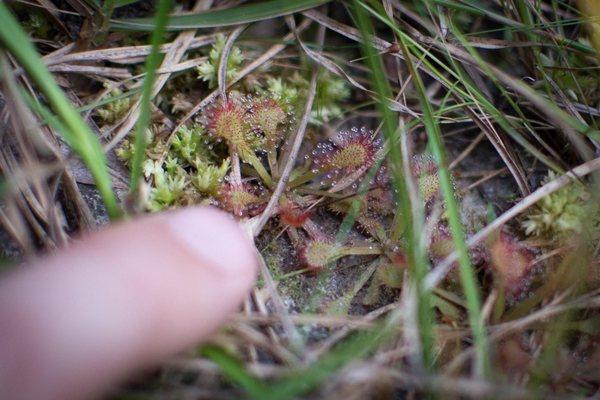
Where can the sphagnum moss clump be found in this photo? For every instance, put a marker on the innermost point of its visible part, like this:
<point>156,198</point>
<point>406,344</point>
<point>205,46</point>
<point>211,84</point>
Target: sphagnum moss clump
<point>117,108</point>
<point>207,71</point>
<point>291,90</point>
<point>560,214</point>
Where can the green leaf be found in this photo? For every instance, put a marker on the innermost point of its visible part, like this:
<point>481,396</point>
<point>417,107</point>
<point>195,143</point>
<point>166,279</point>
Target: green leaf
<point>224,17</point>
<point>76,132</point>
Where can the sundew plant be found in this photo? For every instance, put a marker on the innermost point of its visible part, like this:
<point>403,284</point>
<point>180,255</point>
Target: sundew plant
<point>419,178</point>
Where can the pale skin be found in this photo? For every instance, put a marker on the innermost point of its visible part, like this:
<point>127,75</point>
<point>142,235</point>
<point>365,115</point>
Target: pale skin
<point>75,324</point>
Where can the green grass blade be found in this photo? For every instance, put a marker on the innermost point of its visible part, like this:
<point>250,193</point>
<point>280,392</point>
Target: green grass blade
<point>234,369</point>
<point>478,8</point>
<point>108,100</point>
<point>427,59</point>
<point>43,112</point>
<point>411,217</point>
<point>224,17</point>
<point>121,3</point>
<point>466,271</point>
<point>76,132</point>
<point>152,64</point>
<point>93,3</point>
<point>356,346</point>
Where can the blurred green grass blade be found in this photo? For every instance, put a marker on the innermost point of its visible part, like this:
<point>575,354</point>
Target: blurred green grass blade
<point>109,99</point>
<point>466,271</point>
<point>107,9</point>
<point>152,63</point>
<point>235,370</point>
<point>94,4</point>
<point>354,347</point>
<point>121,3</point>
<point>43,113</point>
<point>45,117</point>
<point>76,132</point>
<point>455,5</point>
<point>223,17</point>
<point>411,217</point>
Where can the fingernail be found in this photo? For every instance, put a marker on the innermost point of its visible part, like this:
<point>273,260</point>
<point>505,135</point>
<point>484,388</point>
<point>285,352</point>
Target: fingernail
<point>215,238</point>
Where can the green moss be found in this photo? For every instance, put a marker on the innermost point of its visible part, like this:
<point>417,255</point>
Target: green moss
<point>332,91</point>
<point>125,152</point>
<point>117,108</point>
<point>37,24</point>
<point>208,70</point>
<point>208,177</point>
<point>169,185</point>
<point>559,214</point>
<point>281,91</point>
<point>188,144</point>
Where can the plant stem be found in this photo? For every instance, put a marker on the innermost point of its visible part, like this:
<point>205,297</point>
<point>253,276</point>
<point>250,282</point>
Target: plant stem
<point>360,251</point>
<point>272,160</point>
<point>253,160</point>
<point>302,179</point>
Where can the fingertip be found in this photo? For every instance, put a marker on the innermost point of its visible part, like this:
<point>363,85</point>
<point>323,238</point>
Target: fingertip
<point>121,299</point>
<point>215,238</point>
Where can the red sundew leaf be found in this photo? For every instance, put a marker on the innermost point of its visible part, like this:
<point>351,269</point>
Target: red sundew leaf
<point>240,199</point>
<point>350,151</point>
<point>316,254</point>
<point>511,262</point>
<point>292,214</point>
<point>226,121</point>
<point>266,116</point>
